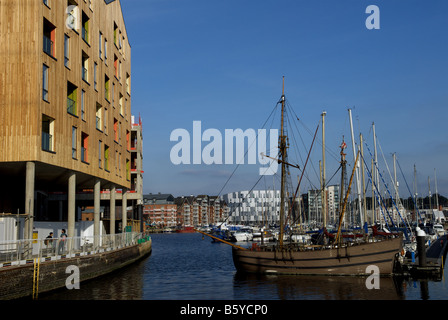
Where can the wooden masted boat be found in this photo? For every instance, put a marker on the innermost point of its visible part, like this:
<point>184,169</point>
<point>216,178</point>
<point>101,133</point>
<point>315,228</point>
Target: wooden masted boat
<point>350,259</point>
<point>361,257</point>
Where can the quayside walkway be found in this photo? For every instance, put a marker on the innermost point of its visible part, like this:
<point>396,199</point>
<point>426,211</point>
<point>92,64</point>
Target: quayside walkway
<point>21,252</point>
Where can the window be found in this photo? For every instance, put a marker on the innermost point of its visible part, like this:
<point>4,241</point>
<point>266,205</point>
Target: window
<point>74,142</point>
<point>105,120</point>
<point>85,66</point>
<point>83,103</point>
<point>47,133</point>
<point>99,117</point>
<point>128,83</point>
<point>128,141</point>
<point>100,45</point>
<point>84,147</point>
<point>100,149</point>
<point>105,50</point>
<point>49,37</point>
<point>116,66</point>
<point>115,130</point>
<point>71,98</point>
<point>113,93</point>
<point>106,87</point>
<point>128,170</point>
<point>116,34</point>
<point>120,103</point>
<point>95,70</point>
<point>66,50</point>
<point>45,82</point>
<point>106,157</point>
<point>85,27</point>
<point>46,2</point>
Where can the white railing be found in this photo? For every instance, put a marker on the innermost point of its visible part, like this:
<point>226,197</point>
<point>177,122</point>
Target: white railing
<point>25,251</point>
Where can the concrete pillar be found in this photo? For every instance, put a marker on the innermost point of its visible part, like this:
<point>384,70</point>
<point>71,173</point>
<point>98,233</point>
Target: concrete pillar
<point>124,212</point>
<point>112,209</point>
<point>29,199</point>
<point>96,210</point>
<point>71,205</point>
<point>71,197</point>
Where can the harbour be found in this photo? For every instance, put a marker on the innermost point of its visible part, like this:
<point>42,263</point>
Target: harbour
<point>266,205</point>
<point>189,267</point>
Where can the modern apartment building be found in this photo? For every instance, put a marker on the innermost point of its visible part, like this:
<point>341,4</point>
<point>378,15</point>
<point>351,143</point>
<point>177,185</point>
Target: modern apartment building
<point>256,207</point>
<point>160,210</point>
<point>65,107</point>
<point>314,204</point>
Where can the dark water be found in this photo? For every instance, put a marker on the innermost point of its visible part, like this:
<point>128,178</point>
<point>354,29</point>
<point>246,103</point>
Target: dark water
<point>188,267</point>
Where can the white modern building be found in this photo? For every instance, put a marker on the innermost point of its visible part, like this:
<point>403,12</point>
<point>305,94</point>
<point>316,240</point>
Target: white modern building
<point>254,207</point>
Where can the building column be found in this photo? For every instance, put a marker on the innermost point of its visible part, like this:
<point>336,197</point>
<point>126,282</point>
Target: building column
<point>124,211</point>
<point>71,209</point>
<point>71,205</point>
<point>96,210</point>
<point>112,209</point>
<point>29,199</point>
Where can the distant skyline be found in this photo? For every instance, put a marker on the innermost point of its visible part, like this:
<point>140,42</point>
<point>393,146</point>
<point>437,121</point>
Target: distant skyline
<point>222,63</point>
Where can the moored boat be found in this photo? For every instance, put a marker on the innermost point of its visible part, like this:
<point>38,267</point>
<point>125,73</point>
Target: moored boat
<point>337,255</point>
<point>349,259</point>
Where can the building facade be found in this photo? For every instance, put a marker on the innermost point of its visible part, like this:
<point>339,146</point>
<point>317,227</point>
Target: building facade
<point>160,211</point>
<point>201,210</point>
<point>315,208</point>
<point>256,207</point>
<point>65,107</point>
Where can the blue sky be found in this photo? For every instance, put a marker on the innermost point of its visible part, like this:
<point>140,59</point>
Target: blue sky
<point>222,62</point>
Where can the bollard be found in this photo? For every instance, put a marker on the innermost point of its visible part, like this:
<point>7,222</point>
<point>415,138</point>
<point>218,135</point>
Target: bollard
<point>421,249</point>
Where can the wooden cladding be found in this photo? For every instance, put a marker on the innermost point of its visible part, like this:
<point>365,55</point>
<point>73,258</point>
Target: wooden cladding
<point>57,74</point>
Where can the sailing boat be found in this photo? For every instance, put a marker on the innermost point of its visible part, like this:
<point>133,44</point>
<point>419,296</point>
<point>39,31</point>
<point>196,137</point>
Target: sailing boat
<point>337,258</point>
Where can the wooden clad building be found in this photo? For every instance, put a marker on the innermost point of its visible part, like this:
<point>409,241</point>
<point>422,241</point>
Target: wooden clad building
<point>65,103</point>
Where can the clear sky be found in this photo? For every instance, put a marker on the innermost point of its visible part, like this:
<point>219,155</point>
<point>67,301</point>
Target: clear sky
<point>222,62</point>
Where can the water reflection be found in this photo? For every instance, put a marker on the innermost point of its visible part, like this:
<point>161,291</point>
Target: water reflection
<point>319,287</point>
<point>124,284</point>
<point>184,267</point>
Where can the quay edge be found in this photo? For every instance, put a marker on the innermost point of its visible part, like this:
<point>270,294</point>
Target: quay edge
<point>17,281</point>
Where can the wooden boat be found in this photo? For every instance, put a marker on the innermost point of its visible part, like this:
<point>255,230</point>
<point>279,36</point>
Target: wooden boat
<point>350,259</point>
<point>340,258</point>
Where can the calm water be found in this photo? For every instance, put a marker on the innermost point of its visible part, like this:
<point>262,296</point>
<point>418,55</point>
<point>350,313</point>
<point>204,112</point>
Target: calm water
<point>188,267</point>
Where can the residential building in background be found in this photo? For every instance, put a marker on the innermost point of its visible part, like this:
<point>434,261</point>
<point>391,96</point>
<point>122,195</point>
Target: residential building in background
<point>256,207</point>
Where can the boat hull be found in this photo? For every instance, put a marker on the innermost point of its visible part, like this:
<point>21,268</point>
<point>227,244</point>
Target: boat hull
<point>347,260</point>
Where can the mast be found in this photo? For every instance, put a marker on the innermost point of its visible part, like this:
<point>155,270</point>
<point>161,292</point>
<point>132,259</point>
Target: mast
<point>343,176</point>
<point>415,193</point>
<point>375,168</point>
<point>437,193</point>
<point>430,196</point>
<point>282,148</point>
<point>358,184</point>
<point>324,194</point>
<point>397,197</point>
<point>364,201</point>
